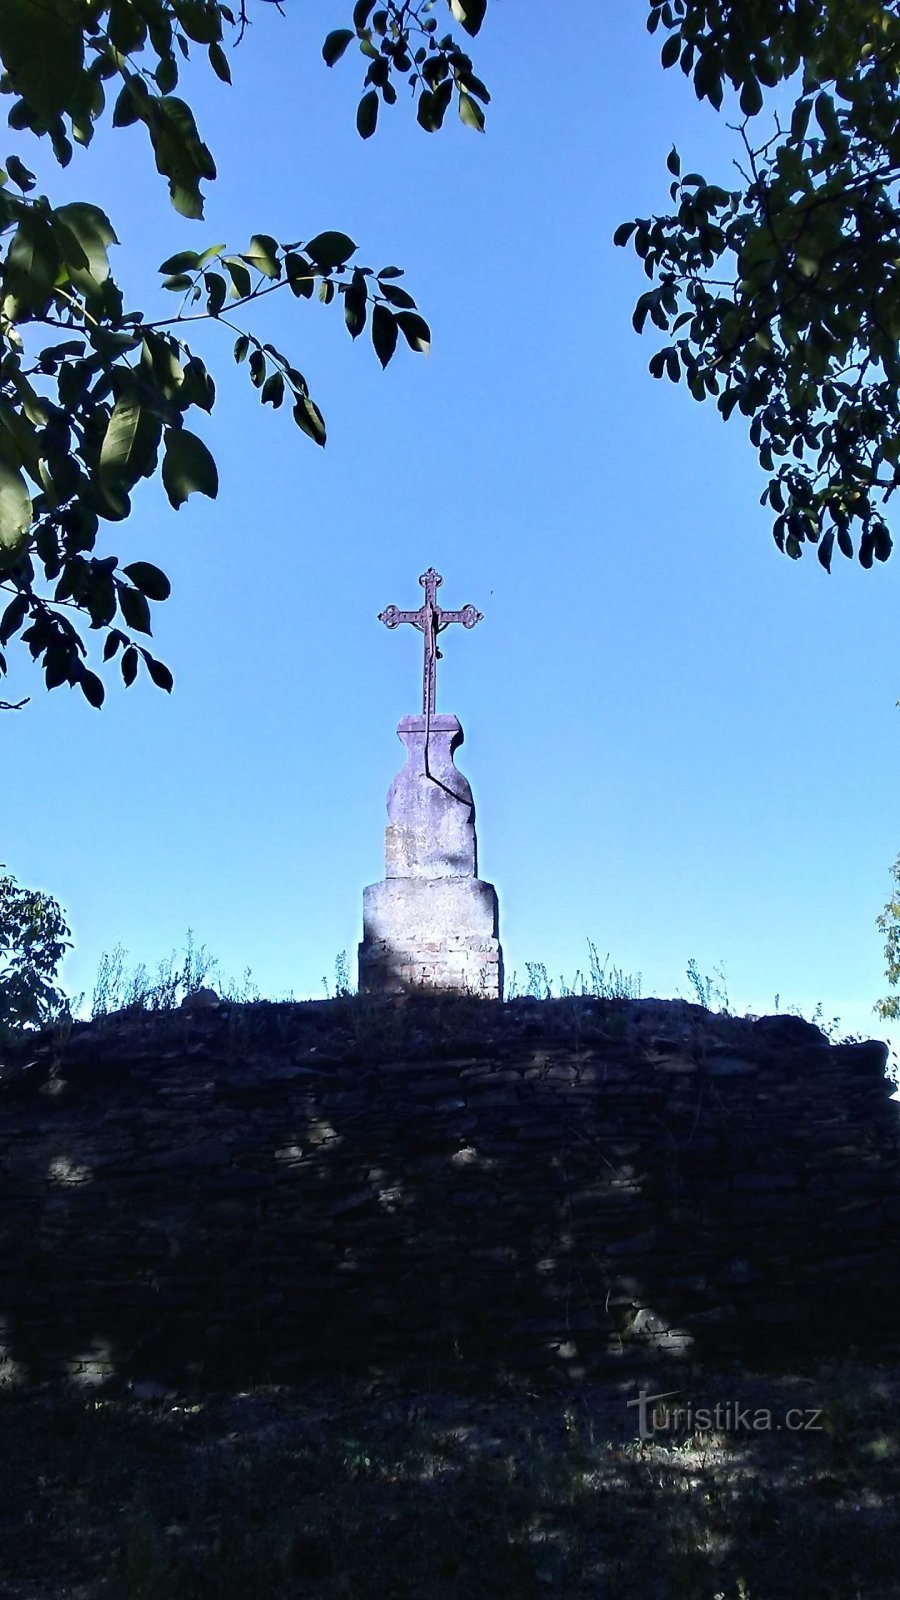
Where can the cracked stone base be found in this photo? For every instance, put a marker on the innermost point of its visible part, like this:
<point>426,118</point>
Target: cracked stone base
<point>438,933</point>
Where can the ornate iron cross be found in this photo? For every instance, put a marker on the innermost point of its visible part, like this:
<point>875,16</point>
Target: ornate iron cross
<point>430,620</point>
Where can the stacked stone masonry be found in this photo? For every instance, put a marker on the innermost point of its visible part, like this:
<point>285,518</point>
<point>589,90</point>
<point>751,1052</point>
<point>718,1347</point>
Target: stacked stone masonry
<point>434,1185</point>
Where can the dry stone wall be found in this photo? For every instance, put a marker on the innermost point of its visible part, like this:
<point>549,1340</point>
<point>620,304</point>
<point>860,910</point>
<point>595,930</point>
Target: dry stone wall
<point>542,1188</point>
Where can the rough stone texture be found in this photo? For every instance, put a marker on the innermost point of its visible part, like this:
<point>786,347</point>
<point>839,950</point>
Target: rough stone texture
<point>545,1188</point>
<point>431,923</point>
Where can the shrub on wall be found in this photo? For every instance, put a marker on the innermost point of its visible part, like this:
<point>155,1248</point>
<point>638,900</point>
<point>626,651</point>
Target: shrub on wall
<point>33,941</point>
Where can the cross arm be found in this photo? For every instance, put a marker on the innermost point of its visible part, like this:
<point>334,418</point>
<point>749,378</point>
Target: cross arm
<point>391,616</point>
<point>468,616</point>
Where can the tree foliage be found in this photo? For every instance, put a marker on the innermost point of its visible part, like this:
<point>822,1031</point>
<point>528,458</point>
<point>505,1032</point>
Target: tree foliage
<point>780,290</point>
<point>33,939</point>
<point>95,396</point>
<point>889,923</point>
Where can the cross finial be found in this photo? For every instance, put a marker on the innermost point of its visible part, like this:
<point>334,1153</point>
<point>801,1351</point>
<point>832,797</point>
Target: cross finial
<point>431,620</point>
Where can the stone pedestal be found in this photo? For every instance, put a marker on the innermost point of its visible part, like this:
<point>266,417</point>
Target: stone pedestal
<point>431,922</point>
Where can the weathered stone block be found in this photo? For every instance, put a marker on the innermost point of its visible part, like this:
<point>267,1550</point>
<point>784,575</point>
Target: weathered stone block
<point>431,923</point>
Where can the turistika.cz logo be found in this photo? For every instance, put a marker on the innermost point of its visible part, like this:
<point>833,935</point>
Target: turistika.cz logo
<point>656,1417</point>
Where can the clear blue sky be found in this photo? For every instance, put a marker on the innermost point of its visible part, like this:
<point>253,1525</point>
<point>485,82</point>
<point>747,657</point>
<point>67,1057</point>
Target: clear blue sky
<point>681,744</point>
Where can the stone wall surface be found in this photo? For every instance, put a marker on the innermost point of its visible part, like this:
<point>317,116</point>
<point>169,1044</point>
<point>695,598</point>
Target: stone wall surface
<point>249,1193</point>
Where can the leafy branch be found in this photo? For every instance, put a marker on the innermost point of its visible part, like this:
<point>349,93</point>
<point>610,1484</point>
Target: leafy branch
<point>95,398</point>
<point>783,294</point>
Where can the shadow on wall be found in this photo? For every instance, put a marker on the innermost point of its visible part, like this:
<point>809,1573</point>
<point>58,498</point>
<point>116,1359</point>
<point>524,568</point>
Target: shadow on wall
<point>435,1187</point>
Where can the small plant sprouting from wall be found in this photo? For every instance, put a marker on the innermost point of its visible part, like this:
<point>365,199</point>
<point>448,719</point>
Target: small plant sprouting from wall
<point>176,977</point>
<point>603,982</point>
<point>611,983</point>
<point>710,989</point>
<point>343,985</point>
<point>538,986</point>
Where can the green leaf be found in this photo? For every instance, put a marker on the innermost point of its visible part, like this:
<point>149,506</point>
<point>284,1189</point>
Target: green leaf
<point>367,115</point>
<point>300,274</point>
<point>415,331</point>
<point>149,579</point>
<point>183,261</point>
<point>470,112</point>
<point>335,45</point>
<point>355,302</point>
<point>94,233</point>
<point>241,346</point>
<point>197,388</point>
<point>130,444</point>
<point>470,13</point>
<point>800,120</point>
<point>44,55</point>
<point>181,155</point>
<point>216,290</point>
<point>13,617</point>
<point>127,109</point>
<point>20,174</point>
<point>20,440</point>
<point>330,250</point>
<point>188,467</point>
<point>239,275</point>
<point>32,264</point>
<point>219,63</point>
<point>384,333</point>
<point>432,107</point>
<point>308,418</point>
<point>397,296</point>
<point>201,22</point>
<point>15,513</point>
<point>883,542</point>
<point>263,255</point>
<point>671,50</point>
<point>273,390</point>
<point>166,74</point>
<point>826,116</point>
<point>751,98</point>
<point>825,549</point>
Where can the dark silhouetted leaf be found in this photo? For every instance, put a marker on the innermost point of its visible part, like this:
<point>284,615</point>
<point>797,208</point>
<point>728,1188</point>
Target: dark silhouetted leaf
<point>188,467</point>
<point>308,418</point>
<point>415,331</point>
<point>158,671</point>
<point>92,689</point>
<point>384,333</point>
<point>367,115</point>
<point>129,665</point>
<point>149,579</point>
<point>134,609</point>
<point>330,250</point>
<point>335,45</point>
